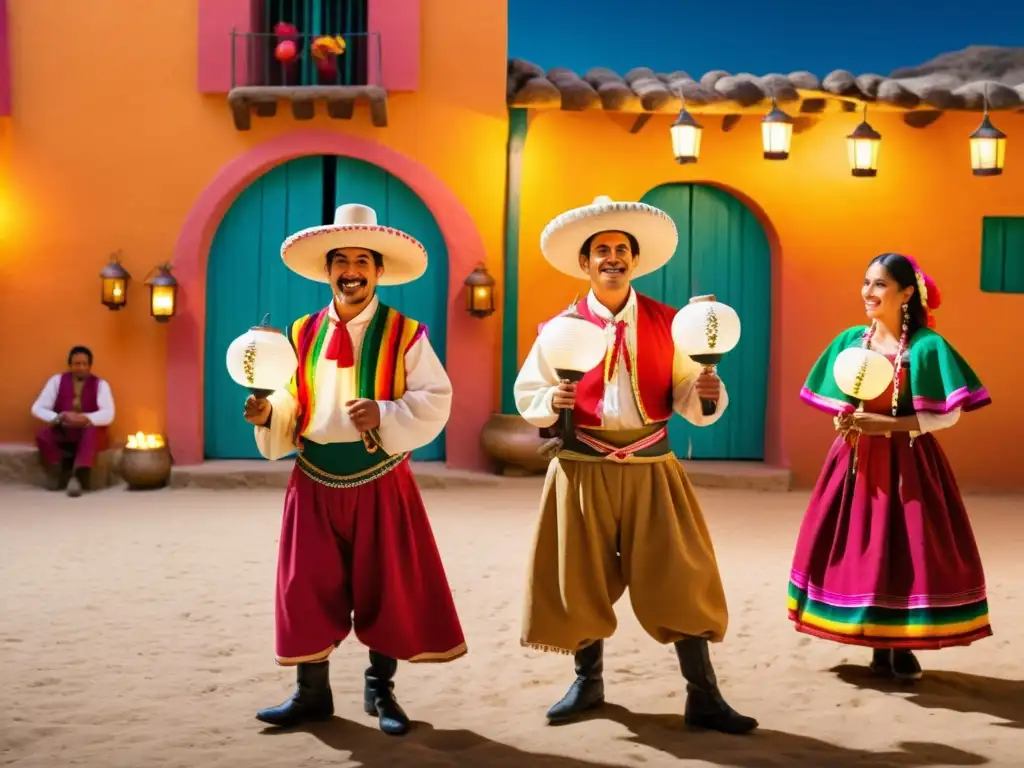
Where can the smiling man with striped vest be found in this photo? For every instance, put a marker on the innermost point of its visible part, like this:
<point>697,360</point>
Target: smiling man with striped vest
<point>357,551</point>
<point>617,509</point>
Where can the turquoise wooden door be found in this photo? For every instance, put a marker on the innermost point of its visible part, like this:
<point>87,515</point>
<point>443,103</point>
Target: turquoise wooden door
<point>247,279</point>
<point>722,250</point>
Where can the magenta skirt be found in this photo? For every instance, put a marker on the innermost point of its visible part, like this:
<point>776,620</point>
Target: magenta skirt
<point>886,556</point>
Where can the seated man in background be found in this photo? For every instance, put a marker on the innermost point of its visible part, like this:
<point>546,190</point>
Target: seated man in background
<point>76,407</point>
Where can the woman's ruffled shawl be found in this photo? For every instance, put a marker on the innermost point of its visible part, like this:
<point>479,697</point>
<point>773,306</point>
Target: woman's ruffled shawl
<point>940,379</point>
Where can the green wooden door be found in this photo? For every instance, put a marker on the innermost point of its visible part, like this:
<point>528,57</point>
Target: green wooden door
<point>722,250</point>
<point>247,279</point>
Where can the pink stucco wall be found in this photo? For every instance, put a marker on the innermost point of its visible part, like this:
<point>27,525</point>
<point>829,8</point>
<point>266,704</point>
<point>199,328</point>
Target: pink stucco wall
<point>216,20</point>
<point>397,24</point>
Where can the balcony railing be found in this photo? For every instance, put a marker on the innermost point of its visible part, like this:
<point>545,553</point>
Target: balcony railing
<point>267,59</point>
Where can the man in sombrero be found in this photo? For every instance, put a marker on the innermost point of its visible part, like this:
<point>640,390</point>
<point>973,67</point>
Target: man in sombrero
<point>357,551</point>
<point>617,508</point>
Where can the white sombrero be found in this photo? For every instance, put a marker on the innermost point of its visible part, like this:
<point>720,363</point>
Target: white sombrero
<point>355,226</point>
<point>653,229</point>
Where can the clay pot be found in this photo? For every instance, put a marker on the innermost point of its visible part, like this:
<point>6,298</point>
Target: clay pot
<point>145,468</point>
<point>512,444</point>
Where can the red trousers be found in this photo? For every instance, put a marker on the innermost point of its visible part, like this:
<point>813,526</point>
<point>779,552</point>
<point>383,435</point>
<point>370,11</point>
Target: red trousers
<point>55,443</point>
<point>362,558</point>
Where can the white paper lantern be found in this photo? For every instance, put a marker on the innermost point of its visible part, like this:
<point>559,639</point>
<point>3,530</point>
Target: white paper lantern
<point>262,360</point>
<point>572,343</point>
<point>706,328</point>
<point>862,373</point>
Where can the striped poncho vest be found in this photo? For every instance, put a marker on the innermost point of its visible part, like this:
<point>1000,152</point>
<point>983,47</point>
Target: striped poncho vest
<point>380,375</point>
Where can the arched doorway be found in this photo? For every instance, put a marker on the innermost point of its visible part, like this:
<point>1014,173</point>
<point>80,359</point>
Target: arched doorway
<point>722,250</point>
<point>246,278</point>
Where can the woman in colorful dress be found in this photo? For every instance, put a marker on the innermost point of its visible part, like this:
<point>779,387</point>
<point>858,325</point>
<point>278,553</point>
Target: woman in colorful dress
<point>886,557</point>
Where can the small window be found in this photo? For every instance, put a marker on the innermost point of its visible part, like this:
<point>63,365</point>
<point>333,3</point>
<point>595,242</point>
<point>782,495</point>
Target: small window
<point>346,18</point>
<point>1002,254</point>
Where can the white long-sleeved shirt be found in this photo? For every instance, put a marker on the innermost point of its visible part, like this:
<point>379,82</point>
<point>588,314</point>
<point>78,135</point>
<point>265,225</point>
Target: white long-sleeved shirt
<point>536,384</point>
<point>406,424</point>
<point>43,407</point>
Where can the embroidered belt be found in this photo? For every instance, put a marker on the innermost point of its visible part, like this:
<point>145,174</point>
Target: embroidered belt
<point>348,480</point>
<point>587,446</point>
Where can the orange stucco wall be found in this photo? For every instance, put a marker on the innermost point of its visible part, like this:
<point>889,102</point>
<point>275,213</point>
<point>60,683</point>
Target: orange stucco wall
<point>92,162</point>
<point>826,225</point>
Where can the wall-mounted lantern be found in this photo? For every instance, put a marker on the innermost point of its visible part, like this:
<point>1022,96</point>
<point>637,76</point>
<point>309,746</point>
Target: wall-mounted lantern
<point>163,293</point>
<point>776,133</point>
<point>862,146</point>
<point>114,283</point>
<point>686,133</point>
<point>480,292</point>
<point>988,147</point>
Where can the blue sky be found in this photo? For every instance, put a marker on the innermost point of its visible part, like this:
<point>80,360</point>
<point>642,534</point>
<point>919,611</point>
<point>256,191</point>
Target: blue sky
<point>757,37</point>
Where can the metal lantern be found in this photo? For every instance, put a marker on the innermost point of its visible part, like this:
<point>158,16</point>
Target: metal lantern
<point>686,133</point>
<point>705,330</point>
<point>862,147</point>
<point>261,359</point>
<point>572,345</point>
<point>988,148</point>
<point>163,294</point>
<point>479,292</point>
<point>776,133</point>
<point>862,373</point>
<point>114,285</point>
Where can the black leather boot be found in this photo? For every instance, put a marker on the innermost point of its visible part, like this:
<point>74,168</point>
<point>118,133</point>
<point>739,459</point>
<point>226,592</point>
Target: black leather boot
<point>587,690</point>
<point>881,662</point>
<point>379,698</point>
<point>705,707</point>
<point>311,701</point>
<point>905,666</point>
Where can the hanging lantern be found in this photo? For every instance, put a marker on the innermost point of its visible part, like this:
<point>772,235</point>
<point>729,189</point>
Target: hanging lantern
<point>862,147</point>
<point>862,373</point>
<point>705,329</point>
<point>776,133</point>
<point>163,293</point>
<point>572,345</point>
<point>114,285</point>
<point>479,292</point>
<point>988,147</point>
<point>261,359</point>
<point>686,133</point>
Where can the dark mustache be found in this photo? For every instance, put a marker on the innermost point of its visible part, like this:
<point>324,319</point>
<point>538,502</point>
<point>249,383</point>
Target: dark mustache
<point>340,280</point>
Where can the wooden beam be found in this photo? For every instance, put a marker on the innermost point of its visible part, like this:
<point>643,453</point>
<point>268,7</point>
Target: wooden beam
<point>303,109</point>
<point>379,109</point>
<point>265,108</point>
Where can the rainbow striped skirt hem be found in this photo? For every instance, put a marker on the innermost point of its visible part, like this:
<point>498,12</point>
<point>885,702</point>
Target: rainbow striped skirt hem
<point>914,626</point>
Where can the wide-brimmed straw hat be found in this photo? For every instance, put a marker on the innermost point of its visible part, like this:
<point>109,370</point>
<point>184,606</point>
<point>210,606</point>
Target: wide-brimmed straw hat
<point>653,229</point>
<point>355,226</point>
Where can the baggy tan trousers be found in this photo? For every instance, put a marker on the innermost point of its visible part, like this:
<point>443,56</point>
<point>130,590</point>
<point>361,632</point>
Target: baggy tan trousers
<point>605,526</point>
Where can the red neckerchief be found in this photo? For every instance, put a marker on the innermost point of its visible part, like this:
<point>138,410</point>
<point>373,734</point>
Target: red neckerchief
<point>340,348</point>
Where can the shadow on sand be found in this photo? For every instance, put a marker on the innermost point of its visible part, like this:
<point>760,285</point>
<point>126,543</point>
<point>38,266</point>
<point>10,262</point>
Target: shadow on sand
<point>955,691</point>
<point>427,746</point>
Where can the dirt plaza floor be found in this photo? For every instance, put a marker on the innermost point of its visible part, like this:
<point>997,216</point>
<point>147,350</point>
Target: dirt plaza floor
<point>136,630</point>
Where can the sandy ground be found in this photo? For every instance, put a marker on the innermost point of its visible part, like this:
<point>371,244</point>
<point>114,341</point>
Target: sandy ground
<point>136,631</point>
